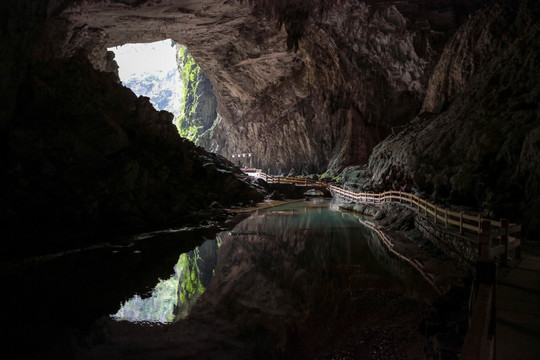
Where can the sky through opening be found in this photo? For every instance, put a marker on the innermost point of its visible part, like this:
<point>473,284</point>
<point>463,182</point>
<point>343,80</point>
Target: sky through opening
<point>150,69</point>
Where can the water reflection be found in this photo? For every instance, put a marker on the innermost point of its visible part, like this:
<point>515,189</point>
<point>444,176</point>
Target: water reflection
<point>298,263</point>
<point>172,298</point>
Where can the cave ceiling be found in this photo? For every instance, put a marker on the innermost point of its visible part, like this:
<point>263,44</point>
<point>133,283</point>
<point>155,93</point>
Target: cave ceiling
<point>318,92</point>
<point>303,85</point>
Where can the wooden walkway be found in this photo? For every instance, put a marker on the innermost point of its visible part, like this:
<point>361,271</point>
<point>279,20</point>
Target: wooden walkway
<point>503,236</point>
<point>518,307</point>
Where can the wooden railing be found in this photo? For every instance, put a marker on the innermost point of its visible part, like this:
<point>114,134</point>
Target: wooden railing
<point>480,340</point>
<point>503,232</point>
<point>463,223</point>
<point>285,179</point>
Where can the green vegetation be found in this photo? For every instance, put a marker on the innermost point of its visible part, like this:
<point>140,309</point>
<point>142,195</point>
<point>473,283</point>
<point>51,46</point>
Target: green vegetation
<point>190,79</point>
<point>190,75</point>
<point>330,175</point>
<point>170,299</point>
<point>190,132</point>
<point>159,307</point>
<point>198,111</point>
<point>191,286</point>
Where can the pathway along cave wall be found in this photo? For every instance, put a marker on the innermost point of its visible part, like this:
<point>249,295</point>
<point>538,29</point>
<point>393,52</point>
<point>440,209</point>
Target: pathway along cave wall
<point>479,144</point>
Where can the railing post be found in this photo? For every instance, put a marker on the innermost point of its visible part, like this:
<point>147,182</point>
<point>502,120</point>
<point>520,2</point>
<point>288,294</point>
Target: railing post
<point>480,222</point>
<point>484,241</point>
<point>503,260</point>
<point>461,222</point>
<point>486,271</point>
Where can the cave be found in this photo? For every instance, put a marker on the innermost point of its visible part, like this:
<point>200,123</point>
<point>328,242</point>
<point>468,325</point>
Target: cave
<point>439,97</point>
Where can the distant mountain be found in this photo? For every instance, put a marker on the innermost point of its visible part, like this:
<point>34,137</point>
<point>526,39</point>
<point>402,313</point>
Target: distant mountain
<point>163,89</point>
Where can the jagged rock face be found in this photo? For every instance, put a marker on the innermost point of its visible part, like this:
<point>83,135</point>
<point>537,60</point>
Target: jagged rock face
<point>82,161</point>
<point>475,44</point>
<point>360,69</point>
<point>481,148</point>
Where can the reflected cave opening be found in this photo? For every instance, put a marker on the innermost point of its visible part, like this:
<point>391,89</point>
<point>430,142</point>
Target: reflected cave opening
<point>172,298</point>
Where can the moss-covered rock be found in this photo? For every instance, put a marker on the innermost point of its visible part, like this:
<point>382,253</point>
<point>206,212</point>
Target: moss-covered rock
<point>199,110</point>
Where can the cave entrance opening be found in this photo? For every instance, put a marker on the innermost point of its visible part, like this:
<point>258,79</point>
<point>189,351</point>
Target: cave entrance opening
<point>165,72</point>
<point>151,70</point>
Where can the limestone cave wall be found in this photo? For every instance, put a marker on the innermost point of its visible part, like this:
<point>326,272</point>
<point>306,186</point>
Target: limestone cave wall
<point>318,92</point>
<point>199,103</point>
<point>360,69</point>
<point>478,139</point>
<point>303,85</point>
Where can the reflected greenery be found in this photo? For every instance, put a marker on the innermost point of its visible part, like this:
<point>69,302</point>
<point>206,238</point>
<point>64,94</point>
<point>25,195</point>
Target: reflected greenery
<point>172,298</point>
<point>190,287</point>
<point>283,279</point>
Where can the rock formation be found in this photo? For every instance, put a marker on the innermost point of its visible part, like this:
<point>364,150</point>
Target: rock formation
<point>303,85</point>
<point>440,96</point>
<point>476,142</point>
<point>199,110</point>
<point>359,69</point>
<point>81,160</point>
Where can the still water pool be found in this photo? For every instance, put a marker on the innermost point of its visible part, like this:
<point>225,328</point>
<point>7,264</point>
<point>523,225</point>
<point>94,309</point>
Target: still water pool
<point>299,280</point>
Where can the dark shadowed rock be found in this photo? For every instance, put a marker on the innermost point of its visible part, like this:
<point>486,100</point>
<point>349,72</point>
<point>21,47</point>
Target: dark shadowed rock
<point>479,150</point>
<point>81,160</point>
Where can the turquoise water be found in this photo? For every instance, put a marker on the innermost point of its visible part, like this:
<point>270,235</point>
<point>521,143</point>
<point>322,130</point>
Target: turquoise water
<point>309,248</point>
<point>279,280</point>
